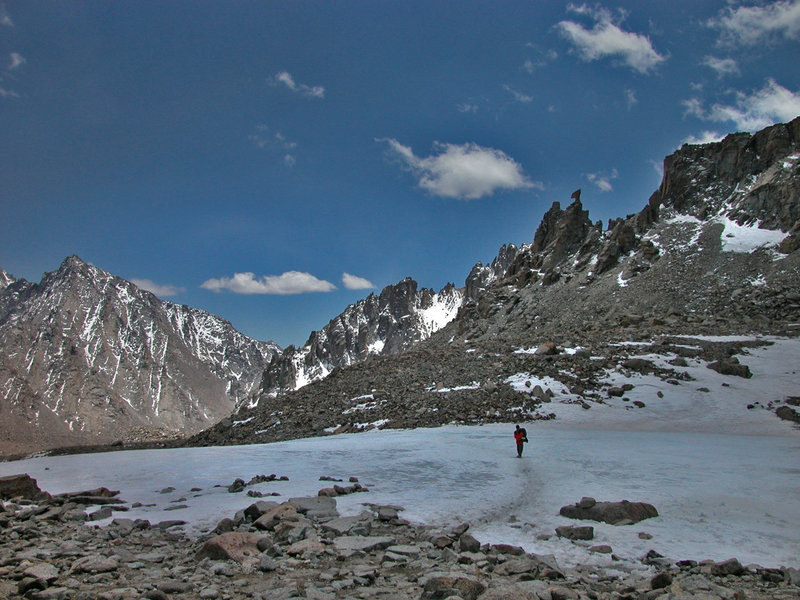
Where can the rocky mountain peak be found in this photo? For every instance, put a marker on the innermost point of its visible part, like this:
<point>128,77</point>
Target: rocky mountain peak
<point>94,357</point>
<point>6,279</point>
<point>383,324</point>
<point>749,178</point>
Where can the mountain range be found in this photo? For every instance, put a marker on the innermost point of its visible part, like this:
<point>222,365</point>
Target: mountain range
<point>90,358</point>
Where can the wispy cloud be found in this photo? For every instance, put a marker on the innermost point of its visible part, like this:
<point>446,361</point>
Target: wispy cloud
<point>466,107</point>
<point>465,171</point>
<point>749,112</point>
<point>518,96</point>
<point>163,291</point>
<point>630,98</point>
<point>285,78</point>
<point>262,137</point>
<point>750,25</point>
<point>289,283</point>
<point>5,19</point>
<point>17,60</point>
<point>603,180</point>
<point>723,66</point>
<point>6,93</point>
<point>542,59</point>
<point>608,39</point>
<point>352,282</point>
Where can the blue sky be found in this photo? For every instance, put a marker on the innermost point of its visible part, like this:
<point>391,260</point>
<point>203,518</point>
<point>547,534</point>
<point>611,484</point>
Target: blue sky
<point>273,162</point>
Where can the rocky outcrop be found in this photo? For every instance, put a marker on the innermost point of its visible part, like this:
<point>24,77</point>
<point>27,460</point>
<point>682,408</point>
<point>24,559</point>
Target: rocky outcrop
<point>752,178</point>
<point>49,552</point>
<point>384,324</point>
<point>91,357</point>
<point>615,513</point>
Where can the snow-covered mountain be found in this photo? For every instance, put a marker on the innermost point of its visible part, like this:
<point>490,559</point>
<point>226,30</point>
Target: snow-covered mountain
<point>715,251</point>
<point>88,357</point>
<point>385,324</point>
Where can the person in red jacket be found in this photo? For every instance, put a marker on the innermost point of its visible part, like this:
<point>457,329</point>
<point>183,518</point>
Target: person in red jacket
<point>520,436</point>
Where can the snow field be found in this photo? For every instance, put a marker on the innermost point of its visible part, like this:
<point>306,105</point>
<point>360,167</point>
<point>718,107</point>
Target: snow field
<point>723,478</point>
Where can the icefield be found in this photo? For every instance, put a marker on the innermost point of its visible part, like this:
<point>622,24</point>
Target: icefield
<point>723,477</point>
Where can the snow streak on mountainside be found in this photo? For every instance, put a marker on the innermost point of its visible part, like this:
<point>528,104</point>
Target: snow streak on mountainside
<point>89,356</point>
<point>388,323</point>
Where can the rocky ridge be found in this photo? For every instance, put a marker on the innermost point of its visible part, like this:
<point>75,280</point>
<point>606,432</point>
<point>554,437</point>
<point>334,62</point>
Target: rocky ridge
<point>90,357</point>
<point>384,324</point>
<point>303,548</point>
<point>693,261</point>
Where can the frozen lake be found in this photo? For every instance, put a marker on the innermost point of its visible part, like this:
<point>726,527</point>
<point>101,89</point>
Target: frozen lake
<point>718,495</point>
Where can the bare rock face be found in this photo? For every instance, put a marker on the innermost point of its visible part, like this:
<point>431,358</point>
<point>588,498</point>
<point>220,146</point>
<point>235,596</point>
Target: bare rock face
<point>754,178</point>
<point>615,513</point>
<point>20,486</point>
<point>239,546</point>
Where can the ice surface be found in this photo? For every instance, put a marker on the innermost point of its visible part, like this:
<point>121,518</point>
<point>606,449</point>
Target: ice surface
<point>723,478</point>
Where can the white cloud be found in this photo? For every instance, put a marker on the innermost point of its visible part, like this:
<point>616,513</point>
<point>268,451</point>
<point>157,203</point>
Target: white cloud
<point>291,282</point>
<point>163,291</point>
<point>4,93</point>
<point>466,171</point>
<point>289,160</point>
<point>750,25</point>
<point>518,96</point>
<point>771,104</point>
<point>17,60</point>
<point>723,66</point>
<point>352,282</point>
<point>606,39</point>
<point>603,180</point>
<point>285,78</point>
<point>705,137</point>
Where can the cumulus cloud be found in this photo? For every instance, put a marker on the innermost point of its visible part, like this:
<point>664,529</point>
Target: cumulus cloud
<point>603,180</point>
<point>163,291</point>
<point>352,282</point>
<point>466,171</point>
<point>289,283</point>
<point>705,137</point>
<point>608,39</point>
<point>750,25</point>
<point>771,104</point>
<point>723,66</point>
<point>285,78</point>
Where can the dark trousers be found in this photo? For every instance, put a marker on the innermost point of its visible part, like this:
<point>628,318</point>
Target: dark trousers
<point>519,448</point>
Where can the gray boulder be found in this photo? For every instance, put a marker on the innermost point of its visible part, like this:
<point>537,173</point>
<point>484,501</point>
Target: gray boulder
<point>615,513</point>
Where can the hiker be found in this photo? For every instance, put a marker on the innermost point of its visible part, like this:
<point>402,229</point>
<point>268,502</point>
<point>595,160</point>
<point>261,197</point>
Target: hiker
<point>520,436</point>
